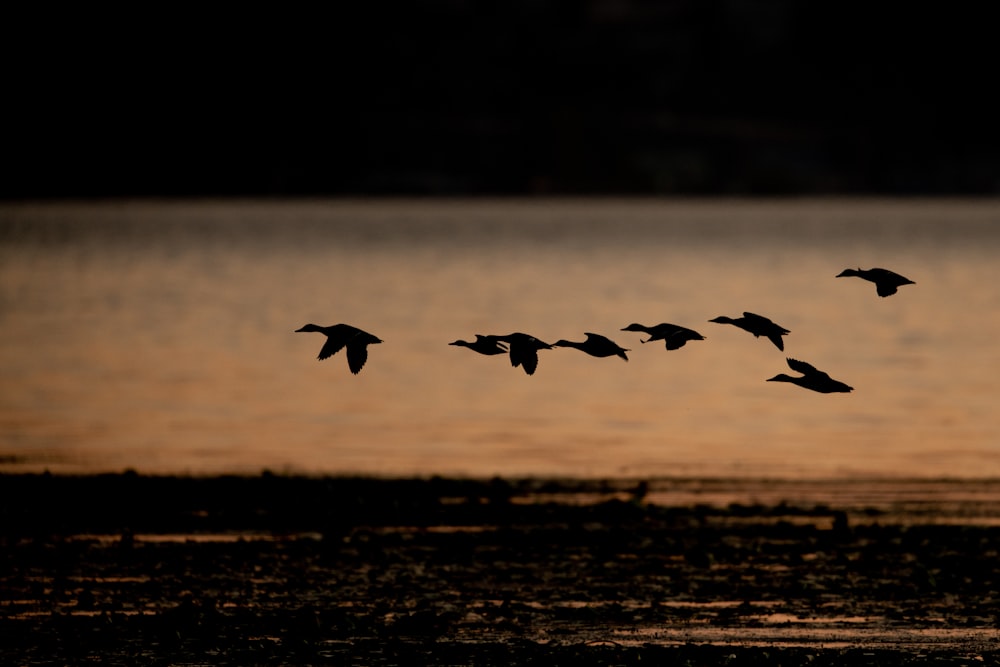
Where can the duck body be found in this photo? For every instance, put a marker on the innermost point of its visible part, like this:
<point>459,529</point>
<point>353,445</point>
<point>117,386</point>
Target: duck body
<point>758,325</point>
<point>524,350</point>
<point>811,378</point>
<point>339,336</point>
<point>886,281</point>
<point>487,345</point>
<point>672,335</point>
<point>596,345</point>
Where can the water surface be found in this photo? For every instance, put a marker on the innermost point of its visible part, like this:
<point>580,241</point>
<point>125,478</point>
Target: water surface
<point>160,336</point>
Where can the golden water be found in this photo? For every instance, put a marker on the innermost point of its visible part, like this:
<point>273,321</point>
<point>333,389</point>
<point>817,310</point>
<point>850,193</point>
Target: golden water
<point>159,336</point>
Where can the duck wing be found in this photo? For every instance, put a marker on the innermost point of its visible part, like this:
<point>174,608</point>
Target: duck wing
<point>884,288</point>
<point>357,355</point>
<point>334,344</point>
<point>762,323</point>
<point>759,325</point>
<point>663,330</point>
<point>756,320</point>
<point>601,343</point>
<point>838,387</point>
<point>675,336</point>
<point>524,356</point>
<point>676,340</point>
<point>690,334</point>
<point>516,355</point>
<point>802,367</point>
<point>891,276</point>
<point>490,344</point>
<point>887,281</point>
<point>602,346</point>
<point>529,362</point>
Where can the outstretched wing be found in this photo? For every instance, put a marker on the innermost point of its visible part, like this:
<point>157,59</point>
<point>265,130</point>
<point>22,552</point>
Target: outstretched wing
<point>891,276</point>
<point>333,345</point>
<point>682,335</point>
<point>529,360</point>
<point>357,355</point>
<point>690,334</point>
<point>603,341</point>
<point>801,366</point>
<point>887,281</point>
<point>756,320</point>
<point>884,288</point>
<point>675,340</point>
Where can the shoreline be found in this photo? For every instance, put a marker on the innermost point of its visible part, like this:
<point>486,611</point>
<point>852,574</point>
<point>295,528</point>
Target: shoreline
<point>274,569</point>
<point>115,502</point>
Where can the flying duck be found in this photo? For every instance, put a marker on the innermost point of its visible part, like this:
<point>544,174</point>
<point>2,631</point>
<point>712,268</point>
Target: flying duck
<point>524,350</point>
<point>811,378</point>
<point>483,345</point>
<point>672,335</point>
<point>340,335</point>
<point>596,345</point>
<point>758,325</point>
<point>886,281</point>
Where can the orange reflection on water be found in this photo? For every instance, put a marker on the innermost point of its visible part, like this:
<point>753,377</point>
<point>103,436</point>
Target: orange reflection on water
<point>160,337</point>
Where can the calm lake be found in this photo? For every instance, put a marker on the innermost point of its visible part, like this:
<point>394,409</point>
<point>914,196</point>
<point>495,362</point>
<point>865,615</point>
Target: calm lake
<point>159,336</point>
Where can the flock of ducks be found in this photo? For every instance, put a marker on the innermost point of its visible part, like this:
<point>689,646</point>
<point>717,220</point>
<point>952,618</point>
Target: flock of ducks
<point>523,348</point>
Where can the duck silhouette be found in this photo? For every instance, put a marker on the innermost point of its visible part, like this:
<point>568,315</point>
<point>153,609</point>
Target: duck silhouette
<point>524,350</point>
<point>483,345</point>
<point>886,281</point>
<point>811,378</point>
<point>339,336</point>
<point>596,345</point>
<point>758,325</point>
<point>672,335</point>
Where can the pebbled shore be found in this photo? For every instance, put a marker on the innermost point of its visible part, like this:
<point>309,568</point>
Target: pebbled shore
<point>127,569</point>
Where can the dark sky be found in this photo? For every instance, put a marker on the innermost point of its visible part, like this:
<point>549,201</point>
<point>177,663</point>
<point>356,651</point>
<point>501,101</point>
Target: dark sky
<point>605,97</point>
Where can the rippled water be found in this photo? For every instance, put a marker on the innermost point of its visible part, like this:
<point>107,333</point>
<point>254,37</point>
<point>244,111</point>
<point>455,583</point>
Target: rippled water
<point>160,336</point>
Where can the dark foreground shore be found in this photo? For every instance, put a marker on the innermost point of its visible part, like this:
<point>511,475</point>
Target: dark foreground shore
<point>133,570</point>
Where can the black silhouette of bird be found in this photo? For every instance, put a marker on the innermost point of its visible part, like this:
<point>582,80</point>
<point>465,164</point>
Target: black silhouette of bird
<point>596,345</point>
<point>886,281</point>
<point>524,350</point>
<point>672,335</point>
<point>811,378</point>
<point>339,336</point>
<point>483,345</point>
<point>758,325</point>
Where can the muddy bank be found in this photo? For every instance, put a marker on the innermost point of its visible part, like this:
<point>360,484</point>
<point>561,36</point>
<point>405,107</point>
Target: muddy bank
<point>271,570</point>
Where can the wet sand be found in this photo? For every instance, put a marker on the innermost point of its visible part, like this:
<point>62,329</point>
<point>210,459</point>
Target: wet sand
<point>127,569</point>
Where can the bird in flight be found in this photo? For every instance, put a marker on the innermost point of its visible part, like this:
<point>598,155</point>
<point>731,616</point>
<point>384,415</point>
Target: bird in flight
<point>596,345</point>
<point>886,281</point>
<point>758,325</point>
<point>811,378</point>
<point>340,336</point>
<point>524,350</point>
<point>483,345</point>
<point>672,335</point>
